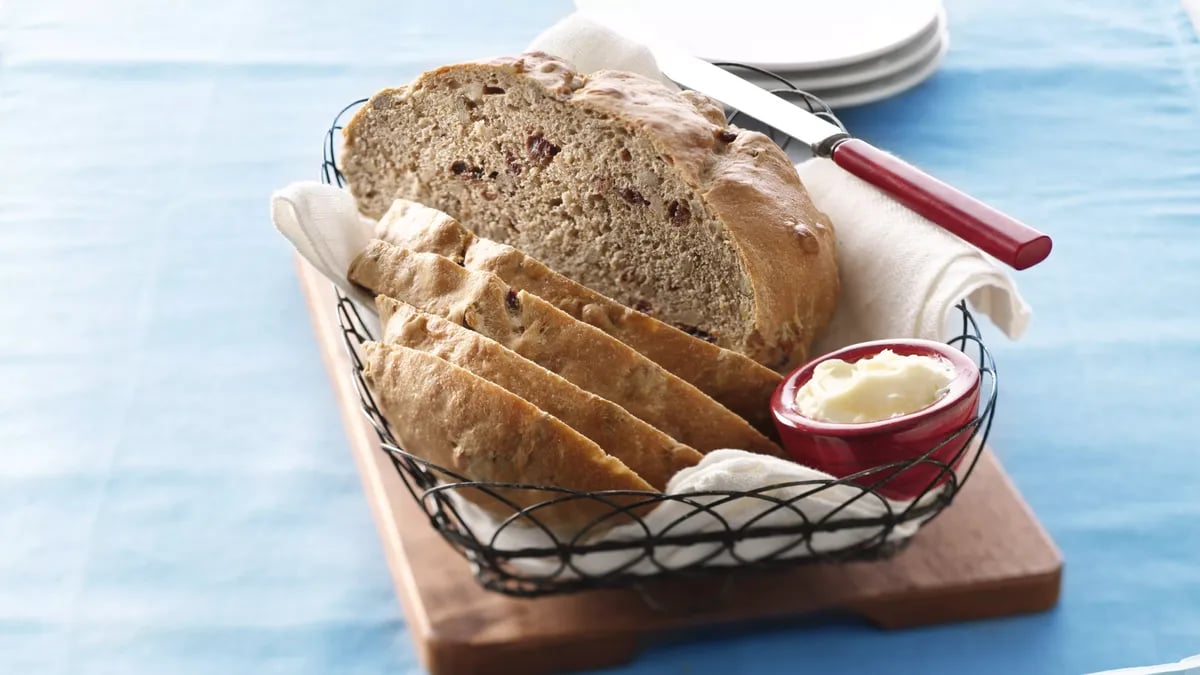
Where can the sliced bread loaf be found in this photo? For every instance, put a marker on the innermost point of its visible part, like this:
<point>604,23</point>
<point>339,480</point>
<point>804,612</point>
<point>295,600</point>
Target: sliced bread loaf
<point>464,423</point>
<point>621,184</point>
<point>731,379</point>
<point>647,451</point>
<point>535,329</point>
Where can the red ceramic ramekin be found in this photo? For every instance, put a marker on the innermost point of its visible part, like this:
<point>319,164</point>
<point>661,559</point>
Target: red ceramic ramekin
<point>843,449</point>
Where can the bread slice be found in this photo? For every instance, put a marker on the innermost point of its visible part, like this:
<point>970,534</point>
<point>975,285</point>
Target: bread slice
<point>731,379</point>
<point>462,422</point>
<point>533,328</point>
<point>641,193</point>
<point>647,451</point>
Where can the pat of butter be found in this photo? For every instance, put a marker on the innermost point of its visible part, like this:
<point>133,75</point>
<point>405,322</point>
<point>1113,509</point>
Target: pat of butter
<point>883,386</point>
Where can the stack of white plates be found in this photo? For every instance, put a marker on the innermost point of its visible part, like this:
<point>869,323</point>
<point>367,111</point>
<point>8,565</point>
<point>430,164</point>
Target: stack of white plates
<point>848,52</point>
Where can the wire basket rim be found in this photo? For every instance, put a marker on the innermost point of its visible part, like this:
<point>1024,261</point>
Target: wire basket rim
<point>492,563</point>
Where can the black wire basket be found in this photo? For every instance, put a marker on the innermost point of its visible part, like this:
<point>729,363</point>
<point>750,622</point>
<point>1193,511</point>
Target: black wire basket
<point>521,555</point>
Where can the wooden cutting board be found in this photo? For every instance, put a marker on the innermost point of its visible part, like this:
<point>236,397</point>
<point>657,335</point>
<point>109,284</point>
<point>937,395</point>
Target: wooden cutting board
<point>986,556</point>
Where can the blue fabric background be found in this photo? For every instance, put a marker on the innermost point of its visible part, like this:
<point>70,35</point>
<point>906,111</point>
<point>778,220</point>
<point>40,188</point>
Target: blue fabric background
<point>176,495</point>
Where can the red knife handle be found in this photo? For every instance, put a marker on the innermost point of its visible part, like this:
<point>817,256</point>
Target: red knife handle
<point>1009,240</point>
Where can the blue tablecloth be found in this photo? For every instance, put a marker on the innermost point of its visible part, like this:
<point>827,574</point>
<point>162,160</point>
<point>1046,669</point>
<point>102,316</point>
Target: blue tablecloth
<point>176,495</point>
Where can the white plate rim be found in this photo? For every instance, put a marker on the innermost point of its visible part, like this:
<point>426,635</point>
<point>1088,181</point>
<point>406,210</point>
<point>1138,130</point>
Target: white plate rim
<point>887,87</point>
<point>589,8</point>
<point>848,77</point>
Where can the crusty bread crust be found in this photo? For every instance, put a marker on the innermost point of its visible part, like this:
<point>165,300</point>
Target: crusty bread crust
<point>535,329</point>
<point>744,201</point>
<point>464,423</point>
<point>731,379</point>
<point>647,451</point>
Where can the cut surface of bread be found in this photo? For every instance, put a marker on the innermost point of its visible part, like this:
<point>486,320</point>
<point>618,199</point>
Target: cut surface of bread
<point>578,352</point>
<point>647,451</point>
<point>462,422</point>
<point>641,193</point>
<point>731,379</point>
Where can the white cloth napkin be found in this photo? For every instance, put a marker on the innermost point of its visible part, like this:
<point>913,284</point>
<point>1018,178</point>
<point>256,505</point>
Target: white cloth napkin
<point>324,225</point>
<point>719,471</point>
<point>900,275</point>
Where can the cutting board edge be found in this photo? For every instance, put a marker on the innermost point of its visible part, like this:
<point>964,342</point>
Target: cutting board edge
<point>445,655</point>
<point>1037,593</point>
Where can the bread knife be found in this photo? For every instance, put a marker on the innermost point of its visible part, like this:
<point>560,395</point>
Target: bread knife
<point>1007,239</point>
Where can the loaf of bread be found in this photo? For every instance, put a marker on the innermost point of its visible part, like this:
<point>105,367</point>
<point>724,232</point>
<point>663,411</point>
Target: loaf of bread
<point>477,429</point>
<point>647,451</point>
<point>641,193</point>
<point>535,329</point>
<point>731,379</point>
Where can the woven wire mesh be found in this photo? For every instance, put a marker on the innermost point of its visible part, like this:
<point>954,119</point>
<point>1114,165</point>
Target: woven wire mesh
<point>550,561</point>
